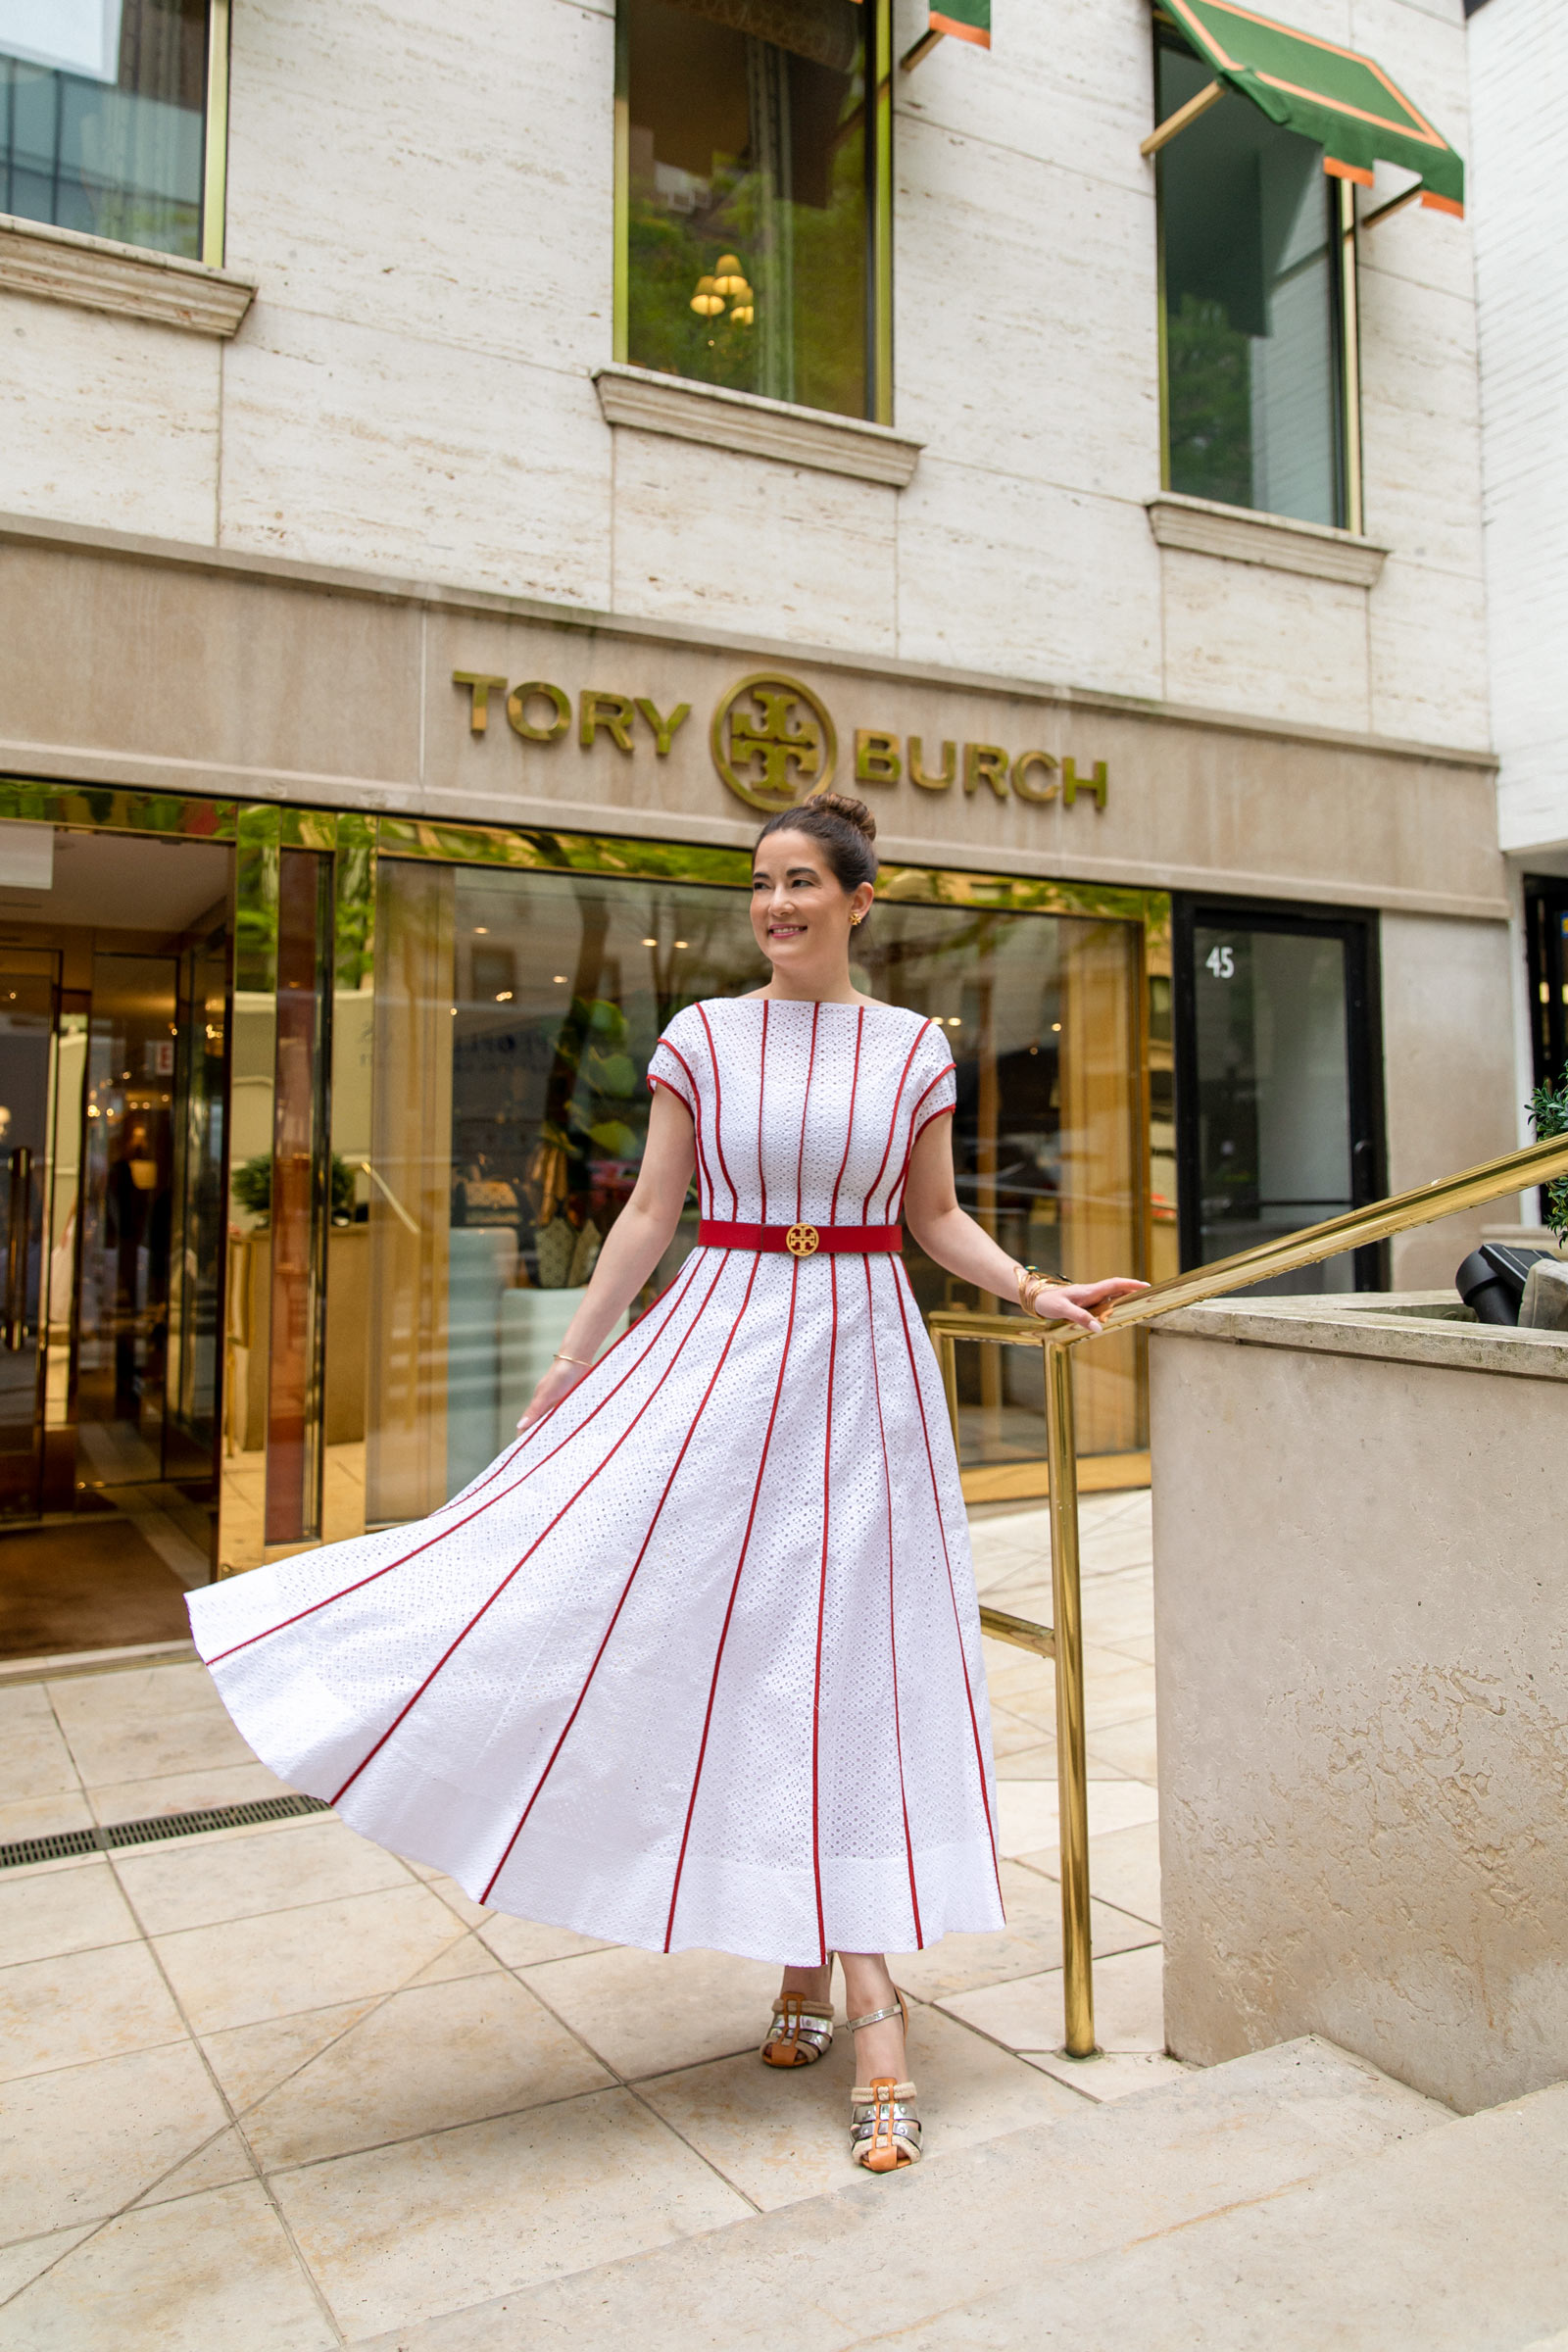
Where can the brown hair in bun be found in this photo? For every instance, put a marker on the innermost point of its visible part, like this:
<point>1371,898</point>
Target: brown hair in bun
<point>844,827</point>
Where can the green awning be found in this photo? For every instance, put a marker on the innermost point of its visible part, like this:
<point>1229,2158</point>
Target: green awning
<point>965,20</point>
<point>1344,103</point>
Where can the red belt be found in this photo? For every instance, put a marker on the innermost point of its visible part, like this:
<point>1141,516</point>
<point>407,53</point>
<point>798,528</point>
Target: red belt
<point>801,1241</point>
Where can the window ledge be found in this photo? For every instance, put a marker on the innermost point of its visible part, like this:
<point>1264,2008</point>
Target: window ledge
<point>761,428</point>
<point>60,265</point>
<point>1285,545</point>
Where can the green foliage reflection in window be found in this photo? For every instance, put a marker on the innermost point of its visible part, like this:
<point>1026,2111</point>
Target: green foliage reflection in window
<point>1254,393</point>
<point>747,214</point>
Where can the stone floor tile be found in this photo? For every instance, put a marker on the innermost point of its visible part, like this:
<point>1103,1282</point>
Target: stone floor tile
<point>648,2013</point>
<point>1027,2014</point>
<point>781,2137</point>
<point>251,2060</point>
<point>284,1961</point>
<point>197,1883</point>
<point>1123,1868</point>
<point>1128,1747</point>
<point>34,1758</point>
<point>433,2225</point>
<point>1114,2074</point>
<point>1133,1645</point>
<point>1027,1811</point>
<point>1011,1733</point>
<point>422,2062</point>
<point>208,2273</point>
<point>109,1748</point>
<point>471,1914</point>
<point>1030,1943</point>
<point>81,2141</point>
<point>66,1910</point>
<point>184,1792</point>
<point>467,1957</point>
<point>43,1815</point>
<point>222,2159</point>
<point>135,1695</point>
<point>1036,1763</point>
<point>519,1943</point>
<point>29,2256</point>
<point>82,2006</point>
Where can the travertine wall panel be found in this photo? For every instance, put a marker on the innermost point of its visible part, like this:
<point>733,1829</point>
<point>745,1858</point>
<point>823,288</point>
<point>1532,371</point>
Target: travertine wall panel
<point>450,190</point>
<point>1428,655</point>
<point>1077,89</point>
<point>108,419</point>
<point>211,680</point>
<point>750,545</point>
<point>353,446</point>
<point>1363,1695</point>
<point>1446,1022</point>
<point>1243,637</point>
<point>1050,371</point>
<point>1000,573</point>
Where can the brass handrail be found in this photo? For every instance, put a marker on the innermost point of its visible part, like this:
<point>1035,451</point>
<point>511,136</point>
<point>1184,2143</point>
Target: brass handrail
<point>1537,1163</point>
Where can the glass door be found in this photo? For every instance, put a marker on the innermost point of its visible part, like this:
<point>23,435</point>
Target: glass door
<point>1277,1119</point>
<point>26,1041</point>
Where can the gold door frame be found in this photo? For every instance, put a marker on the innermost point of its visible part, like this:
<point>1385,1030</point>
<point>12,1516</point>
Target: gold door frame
<point>259,831</point>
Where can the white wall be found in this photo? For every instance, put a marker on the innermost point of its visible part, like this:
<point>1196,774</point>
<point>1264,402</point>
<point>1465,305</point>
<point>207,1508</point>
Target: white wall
<point>426,202</point>
<point>1519,93</point>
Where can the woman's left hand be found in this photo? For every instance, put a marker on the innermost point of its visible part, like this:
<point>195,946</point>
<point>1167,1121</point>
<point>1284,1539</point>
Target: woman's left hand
<point>1075,1301</point>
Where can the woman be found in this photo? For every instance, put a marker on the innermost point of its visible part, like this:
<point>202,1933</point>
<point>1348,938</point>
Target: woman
<point>697,1661</point>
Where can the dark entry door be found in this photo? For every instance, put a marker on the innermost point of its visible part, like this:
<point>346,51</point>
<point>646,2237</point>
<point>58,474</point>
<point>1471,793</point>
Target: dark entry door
<point>26,1038</point>
<point>1277,1114</point>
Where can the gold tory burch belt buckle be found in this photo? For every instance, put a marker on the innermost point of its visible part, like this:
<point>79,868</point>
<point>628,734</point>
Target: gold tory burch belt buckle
<point>802,1239</point>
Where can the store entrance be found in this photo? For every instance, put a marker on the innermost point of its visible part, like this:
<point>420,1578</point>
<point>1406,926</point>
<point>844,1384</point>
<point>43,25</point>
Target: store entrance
<point>113,986</point>
<point>1277,1119</point>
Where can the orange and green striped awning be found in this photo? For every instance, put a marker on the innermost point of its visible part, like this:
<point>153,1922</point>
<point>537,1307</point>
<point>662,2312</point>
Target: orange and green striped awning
<point>964,20</point>
<point>1342,101</point>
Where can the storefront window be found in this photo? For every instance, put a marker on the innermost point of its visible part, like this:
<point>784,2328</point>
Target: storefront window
<point>514,1017</point>
<point>1254,382</point>
<point>748,210</point>
<point>103,117</point>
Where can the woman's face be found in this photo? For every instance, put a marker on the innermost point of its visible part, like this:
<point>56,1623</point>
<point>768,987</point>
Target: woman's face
<point>801,911</point>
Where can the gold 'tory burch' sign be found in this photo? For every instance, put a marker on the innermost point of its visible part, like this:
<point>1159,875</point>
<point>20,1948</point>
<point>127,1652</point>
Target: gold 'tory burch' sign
<point>774,744</point>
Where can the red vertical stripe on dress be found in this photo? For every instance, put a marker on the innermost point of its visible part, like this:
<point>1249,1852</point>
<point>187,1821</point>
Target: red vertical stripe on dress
<point>625,1590</point>
<point>822,1613</point>
<point>686,1277</point>
<point>893,1614</point>
<point>893,1123</point>
<point>719,1114</point>
<point>761,1089</point>
<point>454,1646</point>
<point>849,1130</point>
<point>694,1107</point>
<point>805,1105</point>
<point>723,1633</point>
<point>936,1504</point>
<point>918,1128</point>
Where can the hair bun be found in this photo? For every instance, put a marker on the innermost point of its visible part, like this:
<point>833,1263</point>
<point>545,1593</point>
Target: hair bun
<point>853,812</point>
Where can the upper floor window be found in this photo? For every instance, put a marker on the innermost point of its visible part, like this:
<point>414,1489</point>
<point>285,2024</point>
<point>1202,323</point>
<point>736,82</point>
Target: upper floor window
<point>1256,385</point>
<point>103,110</point>
<point>753,213</point>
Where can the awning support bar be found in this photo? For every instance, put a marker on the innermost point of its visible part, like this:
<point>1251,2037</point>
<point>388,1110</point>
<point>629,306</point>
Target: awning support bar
<point>919,49</point>
<point>1167,130</point>
<point>1396,204</point>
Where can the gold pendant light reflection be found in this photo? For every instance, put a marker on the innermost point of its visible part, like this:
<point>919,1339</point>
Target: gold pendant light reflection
<point>726,285</point>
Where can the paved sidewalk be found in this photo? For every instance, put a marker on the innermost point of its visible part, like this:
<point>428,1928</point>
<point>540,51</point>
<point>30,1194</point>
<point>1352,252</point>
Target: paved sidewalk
<point>275,2088</point>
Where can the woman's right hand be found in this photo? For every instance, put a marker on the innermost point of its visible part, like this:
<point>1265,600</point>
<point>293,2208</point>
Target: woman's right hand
<point>555,1388</point>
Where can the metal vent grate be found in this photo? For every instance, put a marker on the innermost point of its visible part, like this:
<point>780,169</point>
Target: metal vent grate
<point>104,1838</point>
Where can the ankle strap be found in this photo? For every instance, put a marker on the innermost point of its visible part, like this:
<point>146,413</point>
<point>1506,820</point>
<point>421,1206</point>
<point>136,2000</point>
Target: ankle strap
<point>874,2017</point>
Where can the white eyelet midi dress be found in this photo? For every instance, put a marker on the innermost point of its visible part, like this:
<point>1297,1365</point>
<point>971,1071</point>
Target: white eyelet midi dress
<point>697,1660</point>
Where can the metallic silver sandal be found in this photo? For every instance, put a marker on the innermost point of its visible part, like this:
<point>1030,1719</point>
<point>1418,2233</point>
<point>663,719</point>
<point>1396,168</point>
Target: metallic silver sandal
<point>801,2031</point>
<point>884,2121</point>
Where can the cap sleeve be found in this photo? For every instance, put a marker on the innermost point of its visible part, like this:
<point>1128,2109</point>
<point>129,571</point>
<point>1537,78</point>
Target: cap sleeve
<point>670,1063</point>
<point>938,1091</point>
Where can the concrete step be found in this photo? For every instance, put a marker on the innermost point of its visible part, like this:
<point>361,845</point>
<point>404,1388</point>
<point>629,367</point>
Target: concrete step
<point>1452,2243</point>
<point>1010,2218</point>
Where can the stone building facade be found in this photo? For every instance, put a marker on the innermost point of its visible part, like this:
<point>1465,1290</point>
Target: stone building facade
<point>350,523</point>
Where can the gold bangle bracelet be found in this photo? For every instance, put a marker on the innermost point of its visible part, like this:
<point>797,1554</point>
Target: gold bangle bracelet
<point>1031,1282</point>
<point>562,1357</point>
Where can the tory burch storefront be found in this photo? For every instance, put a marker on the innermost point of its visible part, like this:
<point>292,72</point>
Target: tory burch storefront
<point>461,861</point>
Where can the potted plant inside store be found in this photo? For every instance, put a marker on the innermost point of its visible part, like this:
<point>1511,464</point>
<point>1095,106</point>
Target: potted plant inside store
<point>251,1183</point>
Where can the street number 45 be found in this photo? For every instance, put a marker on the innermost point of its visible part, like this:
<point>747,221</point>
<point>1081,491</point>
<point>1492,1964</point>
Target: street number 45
<point>1221,961</point>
